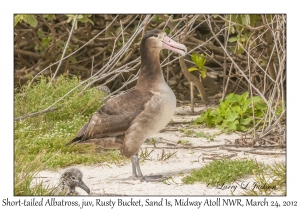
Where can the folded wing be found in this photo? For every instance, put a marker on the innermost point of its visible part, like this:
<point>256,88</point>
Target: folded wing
<point>113,118</point>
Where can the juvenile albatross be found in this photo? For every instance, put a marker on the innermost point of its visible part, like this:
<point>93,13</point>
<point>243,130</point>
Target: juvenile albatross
<point>71,179</point>
<point>126,121</point>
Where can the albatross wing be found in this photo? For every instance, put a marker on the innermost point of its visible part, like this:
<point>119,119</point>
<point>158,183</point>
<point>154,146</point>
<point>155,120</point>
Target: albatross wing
<point>111,121</point>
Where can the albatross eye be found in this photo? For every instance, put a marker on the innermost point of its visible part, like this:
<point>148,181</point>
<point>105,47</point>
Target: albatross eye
<point>155,35</point>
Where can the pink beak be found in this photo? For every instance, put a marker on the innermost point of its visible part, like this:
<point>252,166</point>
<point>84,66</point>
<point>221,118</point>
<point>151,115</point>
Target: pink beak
<point>170,44</point>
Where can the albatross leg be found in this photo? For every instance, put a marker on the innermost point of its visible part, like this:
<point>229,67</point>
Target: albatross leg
<point>134,174</point>
<point>137,172</point>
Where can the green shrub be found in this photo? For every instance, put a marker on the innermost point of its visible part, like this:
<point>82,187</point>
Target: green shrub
<point>234,113</point>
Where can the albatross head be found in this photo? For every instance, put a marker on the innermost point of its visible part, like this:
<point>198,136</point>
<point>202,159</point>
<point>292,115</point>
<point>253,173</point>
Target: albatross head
<point>73,178</point>
<point>158,40</point>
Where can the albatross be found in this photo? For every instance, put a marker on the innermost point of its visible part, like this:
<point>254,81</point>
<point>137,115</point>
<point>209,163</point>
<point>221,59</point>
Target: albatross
<point>71,179</point>
<point>126,121</point>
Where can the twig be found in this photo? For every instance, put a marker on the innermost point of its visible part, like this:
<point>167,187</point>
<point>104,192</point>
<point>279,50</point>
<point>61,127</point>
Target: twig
<point>36,114</point>
<point>189,147</point>
<point>73,52</point>
<point>65,49</point>
<point>179,122</point>
<point>266,153</point>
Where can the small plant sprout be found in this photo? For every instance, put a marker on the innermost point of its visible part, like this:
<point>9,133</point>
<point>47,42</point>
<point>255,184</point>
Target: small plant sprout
<point>163,156</point>
<point>145,155</point>
<point>200,62</point>
<point>201,134</point>
<point>183,142</point>
<point>152,141</point>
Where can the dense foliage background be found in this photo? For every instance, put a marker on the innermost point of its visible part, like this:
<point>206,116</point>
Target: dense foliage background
<point>227,54</point>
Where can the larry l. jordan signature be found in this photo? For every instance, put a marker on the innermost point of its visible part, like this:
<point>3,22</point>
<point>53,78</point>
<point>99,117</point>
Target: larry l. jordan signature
<point>243,185</point>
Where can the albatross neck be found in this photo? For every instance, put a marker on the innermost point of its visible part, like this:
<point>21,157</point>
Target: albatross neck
<point>150,73</point>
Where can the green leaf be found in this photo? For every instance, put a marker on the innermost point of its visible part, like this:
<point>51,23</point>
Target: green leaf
<point>192,69</point>
<point>92,22</point>
<point>244,20</point>
<point>203,72</point>
<point>233,125</point>
<point>46,41</point>
<point>232,29</point>
<point>194,57</point>
<point>198,60</point>
<point>253,19</point>
<point>40,33</point>
<point>119,43</point>
<point>60,42</point>
<point>217,119</point>
<point>242,128</point>
<point>70,18</point>
<point>261,106</point>
<point>240,47</point>
<point>84,19</point>
<point>73,59</point>
<point>232,39</point>
<point>37,47</point>
<point>118,30</point>
<point>49,17</point>
<point>237,109</point>
<point>246,121</point>
<point>244,96</point>
<point>167,30</point>
<point>31,20</point>
<point>256,99</point>
<point>233,97</point>
<point>231,116</point>
<point>246,104</point>
<point>58,57</point>
<point>18,18</point>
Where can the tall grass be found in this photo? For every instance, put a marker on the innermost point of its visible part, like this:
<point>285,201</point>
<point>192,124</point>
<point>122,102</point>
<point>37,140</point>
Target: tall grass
<point>39,141</point>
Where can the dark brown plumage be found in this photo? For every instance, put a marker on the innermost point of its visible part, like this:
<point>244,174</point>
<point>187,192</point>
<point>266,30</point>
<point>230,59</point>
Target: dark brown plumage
<point>108,124</point>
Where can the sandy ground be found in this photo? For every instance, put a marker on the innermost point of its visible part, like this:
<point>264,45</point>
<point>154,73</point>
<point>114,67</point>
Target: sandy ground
<point>105,179</point>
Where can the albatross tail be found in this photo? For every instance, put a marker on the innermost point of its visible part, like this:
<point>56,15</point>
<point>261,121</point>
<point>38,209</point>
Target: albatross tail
<point>75,140</point>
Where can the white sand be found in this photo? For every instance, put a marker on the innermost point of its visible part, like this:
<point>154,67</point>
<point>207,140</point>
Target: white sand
<point>105,179</point>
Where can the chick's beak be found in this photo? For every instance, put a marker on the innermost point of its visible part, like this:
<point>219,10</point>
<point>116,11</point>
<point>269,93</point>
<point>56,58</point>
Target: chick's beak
<point>83,186</point>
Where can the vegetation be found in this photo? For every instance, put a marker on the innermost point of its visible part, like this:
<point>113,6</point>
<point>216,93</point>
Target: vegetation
<point>201,134</point>
<point>267,178</point>
<point>40,141</point>
<point>51,131</point>
<point>24,175</point>
<point>221,171</point>
<point>200,62</point>
<point>235,113</point>
<point>271,178</point>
